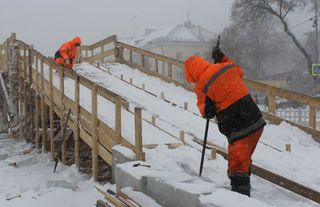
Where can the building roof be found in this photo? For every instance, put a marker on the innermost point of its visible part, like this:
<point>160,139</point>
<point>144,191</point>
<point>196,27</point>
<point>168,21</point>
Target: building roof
<point>186,32</point>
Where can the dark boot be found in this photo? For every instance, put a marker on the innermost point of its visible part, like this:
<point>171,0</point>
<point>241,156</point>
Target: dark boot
<point>240,183</point>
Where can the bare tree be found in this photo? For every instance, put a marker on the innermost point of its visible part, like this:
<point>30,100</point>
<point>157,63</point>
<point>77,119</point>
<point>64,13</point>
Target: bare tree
<point>251,45</point>
<point>255,10</point>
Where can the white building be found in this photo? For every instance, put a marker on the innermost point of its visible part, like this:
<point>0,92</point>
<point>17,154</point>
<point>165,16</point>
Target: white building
<point>179,42</point>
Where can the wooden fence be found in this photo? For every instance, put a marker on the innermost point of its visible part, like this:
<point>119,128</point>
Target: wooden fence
<point>149,62</point>
<point>39,93</point>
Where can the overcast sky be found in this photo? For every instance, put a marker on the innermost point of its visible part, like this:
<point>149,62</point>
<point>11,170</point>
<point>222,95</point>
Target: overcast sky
<point>47,24</point>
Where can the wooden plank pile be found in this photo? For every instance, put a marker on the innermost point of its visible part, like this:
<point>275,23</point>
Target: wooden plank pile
<point>113,199</point>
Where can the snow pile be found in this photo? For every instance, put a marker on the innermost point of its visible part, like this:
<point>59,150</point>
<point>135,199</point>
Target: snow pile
<point>28,180</point>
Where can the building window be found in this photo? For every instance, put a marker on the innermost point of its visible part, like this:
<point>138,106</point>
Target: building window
<point>179,55</point>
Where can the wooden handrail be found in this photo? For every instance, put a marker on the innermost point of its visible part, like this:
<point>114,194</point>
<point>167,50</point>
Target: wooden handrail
<point>271,91</point>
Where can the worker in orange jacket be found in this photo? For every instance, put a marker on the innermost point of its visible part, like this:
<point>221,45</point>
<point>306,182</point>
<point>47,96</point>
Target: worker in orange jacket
<point>68,53</point>
<point>221,92</point>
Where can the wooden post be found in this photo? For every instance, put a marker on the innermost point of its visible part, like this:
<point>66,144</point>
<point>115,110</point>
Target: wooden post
<point>20,92</point>
<point>25,97</point>
<point>118,118</point>
<point>170,71</point>
<point>272,103</point>
<point>312,116</point>
<point>130,58</point>
<point>31,106</point>
<point>182,136</point>
<point>288,148</point>
<point>153,120</point>
<point>213,153</point>
<point>157,65</point>
<point>143,87</point>
<point>130,81</point>
<point>43,111</point>
<point>76,124</point>
<point>162,95</point>
<point>86,53</point>
<point>94,133</point>
<point>52,145</point>
<point>138,133</point>
<point>37,73</point>
<point>64,144</point>
<point>25,106</point>
<point>102,50</point>
<point>38,106</point>
<point>7,56</point>
<point>142,60</point>
<point>185,106</point>
<point>121,77</point>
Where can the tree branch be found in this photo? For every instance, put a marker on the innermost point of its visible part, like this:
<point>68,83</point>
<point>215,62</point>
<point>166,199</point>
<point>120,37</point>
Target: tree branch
<point>291,4</point>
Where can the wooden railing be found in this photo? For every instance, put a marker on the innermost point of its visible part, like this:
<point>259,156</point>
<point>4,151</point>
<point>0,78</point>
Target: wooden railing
<point>167,69</point>
<point>38,92</point>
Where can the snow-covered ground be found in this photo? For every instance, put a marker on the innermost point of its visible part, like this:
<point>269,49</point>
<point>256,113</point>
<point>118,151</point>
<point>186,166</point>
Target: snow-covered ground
<point>302,165</point>
<point>31,181</point>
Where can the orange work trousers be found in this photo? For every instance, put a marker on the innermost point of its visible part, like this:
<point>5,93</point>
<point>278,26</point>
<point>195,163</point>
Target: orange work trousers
<point>240,153</point>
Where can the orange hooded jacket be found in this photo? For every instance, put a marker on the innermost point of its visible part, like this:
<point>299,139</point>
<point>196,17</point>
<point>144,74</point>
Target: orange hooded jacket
<point>226,89</point>
<point>69,51</point>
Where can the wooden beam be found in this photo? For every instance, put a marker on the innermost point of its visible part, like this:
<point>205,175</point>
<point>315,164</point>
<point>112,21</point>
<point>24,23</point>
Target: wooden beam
<point>138,133</point>
<point>118,119</point>
<point>94,130</point>
<point>52,145</point>
<point>43,110</point>
<point>312,116</point>
<point>76,130</point>
<point>62,108</point>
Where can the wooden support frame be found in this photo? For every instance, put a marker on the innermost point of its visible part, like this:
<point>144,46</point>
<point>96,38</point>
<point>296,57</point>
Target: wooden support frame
<point>95,152</point>
<point>62,108</point>
<point>76,123</point>
<point>118,119</point>
<point>52,143</point>
<point>138,133</point>
<point>43,110</point>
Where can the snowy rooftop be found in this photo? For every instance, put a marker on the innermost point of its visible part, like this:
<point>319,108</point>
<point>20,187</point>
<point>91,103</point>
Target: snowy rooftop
<point>186,32</point>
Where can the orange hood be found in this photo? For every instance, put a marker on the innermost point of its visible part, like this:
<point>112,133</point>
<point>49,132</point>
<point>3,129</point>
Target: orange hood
<point>194,68</point>
<point>75,41</point>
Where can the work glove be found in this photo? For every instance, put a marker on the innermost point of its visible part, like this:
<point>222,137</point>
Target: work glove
<point>210,109</point>
<point>217,54</point>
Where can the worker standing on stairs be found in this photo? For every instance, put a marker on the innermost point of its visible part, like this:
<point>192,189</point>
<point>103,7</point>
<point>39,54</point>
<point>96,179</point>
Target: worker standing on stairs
<point>221,92</point>
<point>68,52</point>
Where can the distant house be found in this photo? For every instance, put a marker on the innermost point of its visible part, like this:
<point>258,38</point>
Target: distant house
<point>179,42</point>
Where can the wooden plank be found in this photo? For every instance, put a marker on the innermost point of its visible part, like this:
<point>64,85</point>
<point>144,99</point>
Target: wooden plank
<point>152,55</point>
<point>94,130</point>
<point>118,119</point>
<point>43,110</point>
<point>138,133</point>
<point>312,116</point>
<point>76,131</point>
<point>61,106</point>
<point>169,70</point>
<point>102,55</point>
<point>272,103</point>
<point>52,144</point>
<point>105,41</point>
<point>142,60</point>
